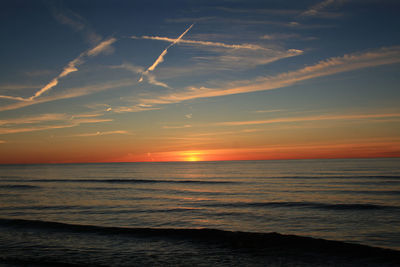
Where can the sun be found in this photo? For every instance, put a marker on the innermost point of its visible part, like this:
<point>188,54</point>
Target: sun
<point>192,156</point>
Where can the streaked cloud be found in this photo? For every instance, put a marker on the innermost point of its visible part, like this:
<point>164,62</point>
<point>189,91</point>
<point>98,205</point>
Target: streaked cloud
<point>134,108</point>
<point>66,124</point>
<point>269,111</point>
<point>222,133</point>
<point>261,11</point>
<point>287,36</point>
<point>35,119</point>
<point>242,22</point>
<point>71,93</point>
<point>177,127</point>
<point>312,118</point>
<point>101,133</point>
<point>224,56</point>
<point>86,115</point>
<point>280,36</point>
<point>227,59</point>
<point>49,117</point>
<point>348,62</point>
<point>237,56</point>
<point>319,7</point>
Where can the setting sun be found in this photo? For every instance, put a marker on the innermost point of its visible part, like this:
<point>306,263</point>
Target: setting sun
<point>192,156</point>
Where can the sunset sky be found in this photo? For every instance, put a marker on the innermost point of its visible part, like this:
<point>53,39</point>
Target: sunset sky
<point>121,81</point>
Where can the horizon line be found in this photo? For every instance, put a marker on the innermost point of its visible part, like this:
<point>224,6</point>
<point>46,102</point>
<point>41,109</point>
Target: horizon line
<point>200,161</point>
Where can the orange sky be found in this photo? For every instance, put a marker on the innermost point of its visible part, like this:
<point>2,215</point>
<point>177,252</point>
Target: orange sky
<point>124,84</point>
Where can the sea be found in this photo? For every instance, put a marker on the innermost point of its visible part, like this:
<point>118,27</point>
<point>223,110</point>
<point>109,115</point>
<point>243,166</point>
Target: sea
<point>330,212</point>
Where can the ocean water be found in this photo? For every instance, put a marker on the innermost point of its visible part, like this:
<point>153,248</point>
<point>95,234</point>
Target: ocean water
<point>124,214</point>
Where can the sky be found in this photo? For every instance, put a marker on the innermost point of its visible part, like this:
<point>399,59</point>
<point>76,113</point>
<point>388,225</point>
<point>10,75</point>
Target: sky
<point>133,81</point>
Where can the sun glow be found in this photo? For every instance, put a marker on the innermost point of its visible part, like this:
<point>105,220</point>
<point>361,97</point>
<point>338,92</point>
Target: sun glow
<point>191,156</point>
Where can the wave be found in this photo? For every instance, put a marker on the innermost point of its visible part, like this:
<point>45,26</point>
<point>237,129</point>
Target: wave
<point>314,205</point>
<point>328,176</point>
<point>209,204</point>
<point>122,181</point>
<point>18,186</point>
<point>238,239</point>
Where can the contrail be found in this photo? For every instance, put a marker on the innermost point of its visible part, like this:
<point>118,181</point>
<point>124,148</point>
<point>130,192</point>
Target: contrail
<point>204,43</point>
<point>14,98</point>
<point>71,67</point>
<point>161,56</point>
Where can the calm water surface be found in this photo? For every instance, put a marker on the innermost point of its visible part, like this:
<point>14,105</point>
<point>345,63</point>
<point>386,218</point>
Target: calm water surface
<point>348,200</point>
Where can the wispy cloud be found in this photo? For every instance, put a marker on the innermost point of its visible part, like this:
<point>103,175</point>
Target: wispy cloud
<point>160,58</point>
<point>349,62</point>
<point>48,117</point>
<point>17,86</point>
<point>223,133</point>
<point>311,118</point>
<point>76,22</point>
<point>68,123</point>
<point>269,111</point>
<point>35,119</point>
<point>151,78</point>
<point>238,55</point>
<point>279,36</point>
<point>135,108</point>
<point>101,133</point>
<point>286,36</point>
<point>261,11</point>
<point>177,127</point>
<point>319,7</point>
<point>226,56</point>
<point>222,60</point>
<point>86,115</point>
<point>238,21</point>
<point>38,73</point>
<point>71,93</point>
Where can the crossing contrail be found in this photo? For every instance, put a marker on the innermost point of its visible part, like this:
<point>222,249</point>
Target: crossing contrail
<point>161,56</point>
